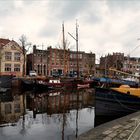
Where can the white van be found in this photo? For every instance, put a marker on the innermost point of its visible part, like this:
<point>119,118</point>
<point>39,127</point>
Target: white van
<point>32,73</point>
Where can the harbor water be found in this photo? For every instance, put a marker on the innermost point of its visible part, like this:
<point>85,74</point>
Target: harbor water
<point>52,115</point>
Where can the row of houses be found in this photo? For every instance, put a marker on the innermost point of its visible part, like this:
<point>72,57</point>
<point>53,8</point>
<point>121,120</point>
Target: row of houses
<point>119,62</point>
<point>54,61</point>
<point>49,62</point>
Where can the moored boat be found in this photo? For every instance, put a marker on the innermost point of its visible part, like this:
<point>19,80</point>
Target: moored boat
<point>113,103</point>
<point>6,81</point>
<point>69,83</point>
<point>28,85</point>
<point>128,90</point>
<point>83,85</point>
<point>112,82</point>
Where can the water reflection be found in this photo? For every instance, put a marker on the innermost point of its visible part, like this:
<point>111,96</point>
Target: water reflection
<point>11,107</point>
<point>57,115</point>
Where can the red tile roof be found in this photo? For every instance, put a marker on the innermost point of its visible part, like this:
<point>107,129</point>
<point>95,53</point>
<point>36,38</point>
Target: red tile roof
<point>3,42</point>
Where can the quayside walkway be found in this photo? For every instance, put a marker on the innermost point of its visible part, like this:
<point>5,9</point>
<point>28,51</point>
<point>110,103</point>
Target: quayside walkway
<point>125,128</point>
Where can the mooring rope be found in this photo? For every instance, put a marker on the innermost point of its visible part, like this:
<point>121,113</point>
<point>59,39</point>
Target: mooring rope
<point>123,104</point>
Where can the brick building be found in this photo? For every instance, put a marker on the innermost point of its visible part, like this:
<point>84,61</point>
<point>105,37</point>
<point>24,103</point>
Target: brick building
<point>132,65</point>
<point>58,61</point>
<point>55,61</point>
<point>11,58</point>
<point>38,61</point>
<point>111,61</point>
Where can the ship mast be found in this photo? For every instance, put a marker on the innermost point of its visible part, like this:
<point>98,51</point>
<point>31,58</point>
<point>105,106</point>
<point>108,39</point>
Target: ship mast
<point>77,49</point>
<point>64,48</point>
<point>76,39</point>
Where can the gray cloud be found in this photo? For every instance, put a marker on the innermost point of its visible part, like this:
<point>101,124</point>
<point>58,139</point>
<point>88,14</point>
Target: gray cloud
<point>66,9</point>
<point>46,31</point>
<point>104,26</point>
<point>6,7</point>
<point>123,4</point>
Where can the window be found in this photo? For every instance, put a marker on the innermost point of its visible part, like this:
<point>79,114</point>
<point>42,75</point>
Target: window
<point>71,55</point>
<point>44,69</point>
<point>8,108</point>
<point>7,67</point>
<point>52,62</point>
<point>16,67</point>
<point>16,98</point>
<point>53,54</point>
<point>17,56</point>
<point>17,108</point>
<point>8,56</point>
<point>80,56</point>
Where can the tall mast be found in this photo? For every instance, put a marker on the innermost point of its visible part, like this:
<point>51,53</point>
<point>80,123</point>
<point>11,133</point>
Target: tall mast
<point>76,39</point>
<point>42,60</point>
<point>77,49</point>
<point>64,48</point>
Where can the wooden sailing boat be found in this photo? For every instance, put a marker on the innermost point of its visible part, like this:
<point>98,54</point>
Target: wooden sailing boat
<point>78,82</point>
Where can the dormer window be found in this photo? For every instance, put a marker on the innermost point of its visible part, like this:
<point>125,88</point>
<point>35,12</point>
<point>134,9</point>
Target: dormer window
<point>13,47</point>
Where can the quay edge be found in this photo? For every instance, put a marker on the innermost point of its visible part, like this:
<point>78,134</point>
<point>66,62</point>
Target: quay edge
<point>121,128</point>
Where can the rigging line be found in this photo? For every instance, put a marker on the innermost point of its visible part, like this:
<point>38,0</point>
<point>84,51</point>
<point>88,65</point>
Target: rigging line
<point>123,104</point>
<point>134,50</point>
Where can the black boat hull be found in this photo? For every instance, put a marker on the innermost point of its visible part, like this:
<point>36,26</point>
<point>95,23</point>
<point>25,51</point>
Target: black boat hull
<point>6,81</point>
<point>28,85</point>
<point>113,103</point>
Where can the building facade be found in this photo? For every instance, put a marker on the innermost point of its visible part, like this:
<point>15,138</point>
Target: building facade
<point>11,58</point>
<point>132,65</point>
<point>114,61</point>
<point>58,61</point>
<point>55,61</point>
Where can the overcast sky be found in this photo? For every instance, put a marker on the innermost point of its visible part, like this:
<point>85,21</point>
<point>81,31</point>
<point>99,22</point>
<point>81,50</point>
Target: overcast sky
<point>105,26</point>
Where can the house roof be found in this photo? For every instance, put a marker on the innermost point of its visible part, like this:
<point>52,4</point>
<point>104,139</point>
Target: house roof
<point>3,42</point>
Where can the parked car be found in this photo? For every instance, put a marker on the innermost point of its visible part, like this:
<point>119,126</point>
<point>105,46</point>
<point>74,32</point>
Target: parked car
<point>55,75</point>
<point>32,73</point>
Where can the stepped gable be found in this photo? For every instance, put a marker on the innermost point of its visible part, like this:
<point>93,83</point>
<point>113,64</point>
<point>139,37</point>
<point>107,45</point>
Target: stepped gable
<point>3,42</point>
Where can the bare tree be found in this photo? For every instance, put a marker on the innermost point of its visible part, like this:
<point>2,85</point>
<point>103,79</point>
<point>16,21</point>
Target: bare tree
<point>25,48</point>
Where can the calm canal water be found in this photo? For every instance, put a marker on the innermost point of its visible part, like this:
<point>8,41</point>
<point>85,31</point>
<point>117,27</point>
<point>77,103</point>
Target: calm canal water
<point>53,115</point>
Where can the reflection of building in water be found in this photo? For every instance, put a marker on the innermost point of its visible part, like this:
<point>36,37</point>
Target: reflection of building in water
<point>11,107</point>
<point>58,100</point>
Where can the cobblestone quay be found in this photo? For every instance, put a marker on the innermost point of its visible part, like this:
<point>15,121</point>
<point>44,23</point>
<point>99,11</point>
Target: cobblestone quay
<point>125,128</point>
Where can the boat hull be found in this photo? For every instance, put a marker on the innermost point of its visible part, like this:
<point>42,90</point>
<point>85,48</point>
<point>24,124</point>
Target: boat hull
<point>28,85</point>
<point>6,81</point>
<point>113,103</point>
